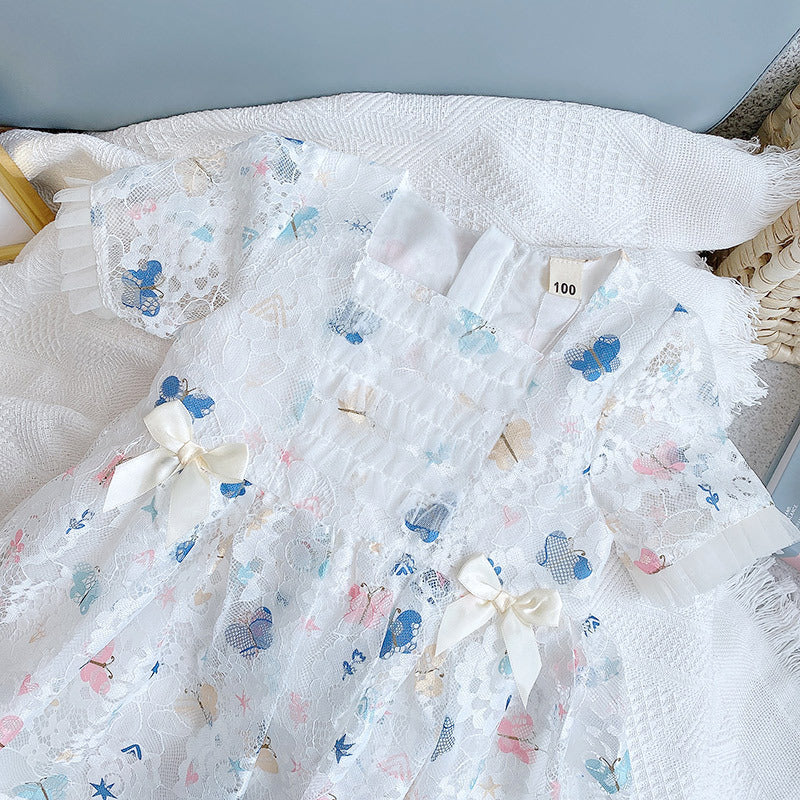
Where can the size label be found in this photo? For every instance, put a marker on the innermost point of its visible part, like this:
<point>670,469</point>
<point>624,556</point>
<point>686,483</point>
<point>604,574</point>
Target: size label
<point>565,277</point>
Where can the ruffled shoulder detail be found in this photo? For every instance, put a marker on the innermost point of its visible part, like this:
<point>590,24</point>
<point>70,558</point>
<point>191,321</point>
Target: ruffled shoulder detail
<point>80,277</point>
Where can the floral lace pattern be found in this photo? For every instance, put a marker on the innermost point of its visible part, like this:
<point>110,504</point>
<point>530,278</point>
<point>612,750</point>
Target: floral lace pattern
<point>286,647</point>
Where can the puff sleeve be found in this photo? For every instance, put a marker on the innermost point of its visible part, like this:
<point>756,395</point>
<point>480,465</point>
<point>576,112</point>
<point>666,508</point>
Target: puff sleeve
<point>158,244</point>
<point>686,511</point>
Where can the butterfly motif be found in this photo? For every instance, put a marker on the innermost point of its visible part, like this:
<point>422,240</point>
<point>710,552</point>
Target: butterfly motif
<point>513,445</point>
<point>564,563</point>
<point>405,566</point>
<point>649,562</point>
<point>428,675</point>
<point>368,605</point>
<point>590,624</point>
<point>196,175</point>
<point>52,787</point>
<point>340,748</point>
<point>594,676</point>
<point>353,321</point>
<point>663,461</point>
<point>284,168</point>
<point>601,298</point>
<point>96,673</point>
<point>198,705</point>
<point>140,288</point>
<point>86,588</point>
<point>475,337</point>
<point>196,402</point>
<point>251,638</point>
<point>431,586</point>
<point>266,760</point>
<point>601,358</point>
<point>16,547</point>
<point>10,726</point>
<point>183,548</point>
<point>401,633</point>
<point>349,667</point>
<point>446,740</point>
<point>234,489</point>
<point>301,225</point>
<point>427,520</point>
<point>515,735</point>
<point>614,776</point>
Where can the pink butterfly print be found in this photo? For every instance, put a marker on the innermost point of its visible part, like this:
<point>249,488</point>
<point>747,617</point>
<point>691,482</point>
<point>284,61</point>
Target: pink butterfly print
<point>16,547</point>
<point>96,673</point>
<point>298,708</point>
<point>105,475</point>
<point>10,726</point>
<point>510,516</point>
<point>191,774</point>
<point>27,685</point>
<point>650,562</point>
<point>515,736</point>
<point>368,605</point>
<point>663,461</point>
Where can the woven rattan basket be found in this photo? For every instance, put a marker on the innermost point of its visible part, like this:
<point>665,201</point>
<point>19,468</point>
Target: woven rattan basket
<point>770,263</point>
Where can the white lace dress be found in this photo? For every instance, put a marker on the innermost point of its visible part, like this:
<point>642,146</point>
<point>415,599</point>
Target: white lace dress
<point>413,398</point>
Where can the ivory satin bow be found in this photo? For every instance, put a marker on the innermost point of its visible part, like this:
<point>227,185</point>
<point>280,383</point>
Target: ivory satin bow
<point>518,615</point>
<point>170,424</point>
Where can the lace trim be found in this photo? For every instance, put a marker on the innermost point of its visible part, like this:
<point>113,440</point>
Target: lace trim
<point>718,559</point>
<point>79,270</point>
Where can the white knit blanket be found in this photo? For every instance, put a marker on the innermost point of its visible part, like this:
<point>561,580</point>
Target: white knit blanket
<point>713,696</point>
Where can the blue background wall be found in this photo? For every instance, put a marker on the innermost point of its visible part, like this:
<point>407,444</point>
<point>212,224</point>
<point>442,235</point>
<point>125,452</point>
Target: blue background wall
<point>98,64</point>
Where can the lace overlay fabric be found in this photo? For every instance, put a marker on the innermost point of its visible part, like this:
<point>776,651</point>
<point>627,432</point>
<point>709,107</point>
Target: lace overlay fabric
<point>286,648</point>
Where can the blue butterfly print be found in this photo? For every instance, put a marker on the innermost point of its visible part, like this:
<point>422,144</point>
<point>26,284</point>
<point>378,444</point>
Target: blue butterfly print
<point>234,489</point>
<point>431,586</point>
<point>564,563</point>
<point>597,360</point>
<point>474,335</point>
<point>139,288</point>
<point>401,633</point>
<point>348,667</point>
<point>196,402</point>
<point>405,566</point>
<point>590,624</point>
<point>353,321</point>
<point>447,739</point>
<point>251,638</point>
<point>51,788</point>
<point>427,520</point>
<point>340,748</point>
<point>614,776</point>
<point>300,225</point>
<point>679,309</point>
<point>601,298</point>
<point>182,550</point>
<point>86,586</point>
